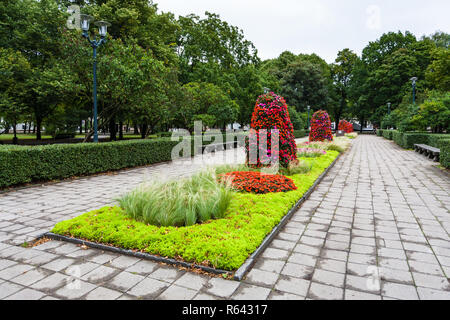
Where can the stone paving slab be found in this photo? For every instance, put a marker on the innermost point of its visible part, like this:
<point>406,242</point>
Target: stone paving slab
<point>377,227</point>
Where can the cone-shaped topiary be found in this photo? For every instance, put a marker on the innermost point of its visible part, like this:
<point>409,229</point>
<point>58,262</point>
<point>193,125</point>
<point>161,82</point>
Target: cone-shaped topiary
<point>271,112</point>
<point>345,126</point>
<point>320,127</point>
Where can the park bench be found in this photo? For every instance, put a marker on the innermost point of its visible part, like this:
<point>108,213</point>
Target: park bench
<point>431,152</point>
<point>217,147</point>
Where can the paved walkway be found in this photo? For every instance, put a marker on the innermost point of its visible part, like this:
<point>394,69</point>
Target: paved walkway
<point>377,227</point>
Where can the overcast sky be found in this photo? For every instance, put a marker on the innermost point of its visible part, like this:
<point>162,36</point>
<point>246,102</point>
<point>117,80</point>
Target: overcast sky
<point>320,26</point>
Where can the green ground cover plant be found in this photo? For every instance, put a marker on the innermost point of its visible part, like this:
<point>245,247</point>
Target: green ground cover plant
<point>222,243</point>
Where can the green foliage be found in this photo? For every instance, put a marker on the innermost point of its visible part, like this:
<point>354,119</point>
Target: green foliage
<point>438,72</point>
<point>388,134</point>
<point>410,139</point>
<point>397,136</point>
<point>22,164</point>
<point>436,140</point>
<point>380,132</point>
<point>298,134</point>
<point>296,119</point>
<point>179,203</point>
<point>202,99</point>
<point>445,153</point>
<point>224,243</point>
<point>434,113</point>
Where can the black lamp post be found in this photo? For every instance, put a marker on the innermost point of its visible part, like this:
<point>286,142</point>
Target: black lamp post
<point>102,30</point>
<point>414,80</point>
<point>307,122</point>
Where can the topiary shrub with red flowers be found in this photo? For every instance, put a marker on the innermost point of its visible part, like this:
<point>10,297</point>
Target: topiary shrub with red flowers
<point>257,182</point>
<point>271,112</point>
<point>345,126</point>
<point>320,127</point>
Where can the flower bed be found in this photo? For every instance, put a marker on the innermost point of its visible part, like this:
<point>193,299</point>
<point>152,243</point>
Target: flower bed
<point>223,243</point>
<point>257,182</point>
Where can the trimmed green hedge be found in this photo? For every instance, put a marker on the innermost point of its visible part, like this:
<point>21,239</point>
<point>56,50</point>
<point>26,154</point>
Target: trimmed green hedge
<point>300,134</point>
<point>397,136</point>
<point>388,134</point>
<point>22,164</point>
<point>445,152</point>
<point>435,140</point>
<point>380,132</point>
<point>412,138</point>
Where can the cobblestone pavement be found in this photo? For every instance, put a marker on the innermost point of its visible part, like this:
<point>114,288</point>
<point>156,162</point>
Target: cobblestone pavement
<point>380,210</point>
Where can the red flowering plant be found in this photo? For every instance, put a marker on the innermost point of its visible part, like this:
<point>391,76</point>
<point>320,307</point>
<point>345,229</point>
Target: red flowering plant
<point>257,182</point>
<point>345,126</point>
<point>271,113</point>
<point>320,127</point>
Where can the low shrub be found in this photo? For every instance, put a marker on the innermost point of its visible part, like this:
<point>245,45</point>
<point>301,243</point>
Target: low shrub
<point>397,136</point>
<point>380,132</point>
<point>445,152</point>
<point>257,182</point>
<point>388,134</point>
<point>178,203</point>
<point>435,140</point>
<point>23,164</point>
<point>298,134</point>
<point>409,139</point>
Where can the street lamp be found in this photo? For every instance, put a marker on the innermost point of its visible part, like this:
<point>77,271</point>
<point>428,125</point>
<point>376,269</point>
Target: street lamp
<point>307,122</point>
<point>413,80</point>
<point>389,108</point>
<point>266,90</point>
<point>85,20</point>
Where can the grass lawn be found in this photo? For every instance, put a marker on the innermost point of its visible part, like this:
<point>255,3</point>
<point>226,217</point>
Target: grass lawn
<point>223,244</point>
<point>21,136</point>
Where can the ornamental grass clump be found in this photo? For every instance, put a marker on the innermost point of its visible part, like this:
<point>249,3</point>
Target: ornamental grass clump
<point>320,127</point>
<point>310,152</point>
<point>179,203</point>
<point>257,182</point>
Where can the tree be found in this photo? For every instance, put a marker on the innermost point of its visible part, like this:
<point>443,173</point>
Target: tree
<point>342,72</point>
<point>438,72</point>
<point>15,72</point>
<point>303,84</point>
<point>376,52</point>
<point>434,113</point>
<point>205,98</point>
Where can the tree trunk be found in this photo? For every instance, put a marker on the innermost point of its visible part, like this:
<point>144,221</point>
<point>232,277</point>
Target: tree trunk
<point>144,130</point>
<point>15,133</point>
<point>81,126</point>
<point>136,129</point>
<point>112,129</point>
<point>38,128</point>
<point>120,130</point>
